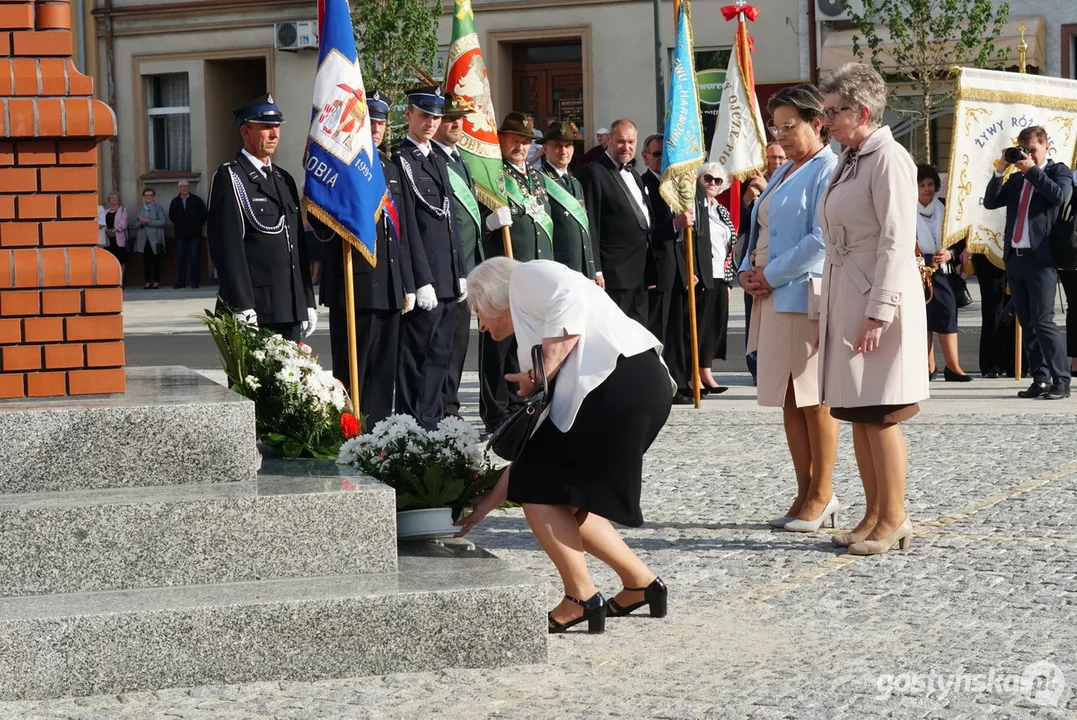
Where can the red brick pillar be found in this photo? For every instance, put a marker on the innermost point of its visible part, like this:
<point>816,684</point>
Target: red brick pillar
<point>61,329</point>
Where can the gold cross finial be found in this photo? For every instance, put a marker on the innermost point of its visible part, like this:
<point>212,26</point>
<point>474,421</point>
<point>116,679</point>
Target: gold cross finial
<point>1022,47</point>
<point>464,9</point>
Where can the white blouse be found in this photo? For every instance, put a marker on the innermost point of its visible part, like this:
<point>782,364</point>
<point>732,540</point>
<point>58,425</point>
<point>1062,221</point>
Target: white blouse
<point>720,239</point>
<point>548,300</point>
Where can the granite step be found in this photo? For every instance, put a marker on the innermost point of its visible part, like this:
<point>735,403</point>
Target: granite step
<point>172,427</point>
<point>279,526</point>
<point>467,611</point>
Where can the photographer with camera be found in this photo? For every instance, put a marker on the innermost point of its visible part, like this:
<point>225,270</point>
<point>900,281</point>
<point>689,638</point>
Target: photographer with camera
<point>1033,196</point>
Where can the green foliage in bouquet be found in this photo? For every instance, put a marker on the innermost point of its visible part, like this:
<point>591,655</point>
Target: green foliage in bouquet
<point>299,407</point>
<point>448,467</point>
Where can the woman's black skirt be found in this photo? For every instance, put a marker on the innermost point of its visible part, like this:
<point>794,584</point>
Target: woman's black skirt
<point>597,466</point>
<point>942,310</point>
<point>712,310</point>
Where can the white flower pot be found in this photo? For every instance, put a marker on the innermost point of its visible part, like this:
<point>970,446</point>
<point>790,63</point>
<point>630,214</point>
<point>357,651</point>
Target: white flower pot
<point>426,523</point>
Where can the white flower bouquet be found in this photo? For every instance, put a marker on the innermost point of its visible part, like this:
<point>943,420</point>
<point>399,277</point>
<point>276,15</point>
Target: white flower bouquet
<point>448,467</point>
<point>300,408</point>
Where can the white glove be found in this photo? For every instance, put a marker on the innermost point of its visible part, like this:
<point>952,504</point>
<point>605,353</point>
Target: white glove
<point>425,298</point>
<point>247,317</point>
<point>310,324</point>
<point>463,290</point>
<point>502,217</point>
<point>409,303</point>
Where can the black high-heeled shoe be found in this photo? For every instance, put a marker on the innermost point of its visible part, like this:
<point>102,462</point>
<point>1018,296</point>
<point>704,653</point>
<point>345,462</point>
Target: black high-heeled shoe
<point>594,612</point>
<point>654,595</point>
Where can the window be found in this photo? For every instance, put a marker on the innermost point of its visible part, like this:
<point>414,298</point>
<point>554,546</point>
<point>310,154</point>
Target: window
<point>169,122</point>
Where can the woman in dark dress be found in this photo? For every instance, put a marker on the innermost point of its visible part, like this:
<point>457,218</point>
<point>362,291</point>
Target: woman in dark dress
<point>942,309</point>
<point>583,466</point>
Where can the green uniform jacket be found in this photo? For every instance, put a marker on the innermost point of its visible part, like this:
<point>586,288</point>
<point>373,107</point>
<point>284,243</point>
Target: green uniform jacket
<point>571,242</point>
<point>470,233</point>
<point>529,242</point>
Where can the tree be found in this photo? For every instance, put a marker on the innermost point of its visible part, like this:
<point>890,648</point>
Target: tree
<point>390,34</point>
<point>926,39</point>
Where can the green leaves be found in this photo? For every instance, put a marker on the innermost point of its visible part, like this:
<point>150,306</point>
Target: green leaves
<point>391,33</point>
<point>914,43</point>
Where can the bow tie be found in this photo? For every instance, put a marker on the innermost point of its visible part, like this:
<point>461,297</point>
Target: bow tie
<point>621,167</point>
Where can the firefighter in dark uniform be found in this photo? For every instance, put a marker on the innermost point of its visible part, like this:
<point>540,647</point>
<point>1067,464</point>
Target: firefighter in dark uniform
<point>437,262</point>
<point>465,207</point>
<point>531,229</point>
<point>255,236</point>
<point>381,291</point>
<point>571,234</point>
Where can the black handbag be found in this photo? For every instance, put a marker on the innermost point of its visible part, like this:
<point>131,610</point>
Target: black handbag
<point>508,440</point>
<point>961,290</point>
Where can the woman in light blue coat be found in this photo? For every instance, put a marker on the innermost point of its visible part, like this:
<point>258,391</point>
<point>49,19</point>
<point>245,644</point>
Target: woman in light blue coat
<point>785,253</point>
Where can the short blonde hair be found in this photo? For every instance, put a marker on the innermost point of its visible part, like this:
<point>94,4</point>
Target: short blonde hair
<point>488,285</point>
<point>860,86</point>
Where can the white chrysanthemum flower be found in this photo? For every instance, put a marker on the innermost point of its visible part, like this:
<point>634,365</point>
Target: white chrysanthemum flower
<point>259,355</point>
<point>252,382</point>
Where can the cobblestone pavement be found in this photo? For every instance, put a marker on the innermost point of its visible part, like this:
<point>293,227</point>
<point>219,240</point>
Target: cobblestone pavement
<point>767,624</point>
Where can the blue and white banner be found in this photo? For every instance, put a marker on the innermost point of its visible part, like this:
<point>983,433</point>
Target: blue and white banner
<point>682,152</point>
<point>345,188</point>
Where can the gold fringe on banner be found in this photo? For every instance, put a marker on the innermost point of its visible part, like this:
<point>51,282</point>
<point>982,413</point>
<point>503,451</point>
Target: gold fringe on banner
<point>343,232</point>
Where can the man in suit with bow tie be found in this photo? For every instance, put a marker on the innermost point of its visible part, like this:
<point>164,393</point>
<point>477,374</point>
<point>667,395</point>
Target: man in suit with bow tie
<point>620,216</point>
<point>255,237</point>
<point>437,262</point>
<point>468,214</point>
<point>571,228</point>
<point>1032,197</point>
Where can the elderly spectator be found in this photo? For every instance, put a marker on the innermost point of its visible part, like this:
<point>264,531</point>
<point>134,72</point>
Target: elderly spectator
<point>873,328</point>
<point>714,250</point>
<point>113,220</point>
<point>781,267</point>
<point>942,309</point>
<point>151,237</point>
<point>582,467</point>
<point>188,215</point>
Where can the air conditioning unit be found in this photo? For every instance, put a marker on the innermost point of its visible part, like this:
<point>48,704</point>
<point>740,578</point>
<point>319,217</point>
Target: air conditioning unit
<point>297,35</point>
<point>834,10</point>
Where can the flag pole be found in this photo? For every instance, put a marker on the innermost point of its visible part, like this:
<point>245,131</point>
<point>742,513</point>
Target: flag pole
<point>689,252</point>
<point>1018,340</point>
<point>353,350</point>
<point>506,241</point>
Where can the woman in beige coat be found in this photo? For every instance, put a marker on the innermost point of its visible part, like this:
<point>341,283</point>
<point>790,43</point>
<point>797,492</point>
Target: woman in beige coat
<point>873,325</point>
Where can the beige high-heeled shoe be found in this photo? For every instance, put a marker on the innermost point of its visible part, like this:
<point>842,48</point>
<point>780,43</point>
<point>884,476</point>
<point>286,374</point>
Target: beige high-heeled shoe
<point>901,536</point>
<point>847,539</point>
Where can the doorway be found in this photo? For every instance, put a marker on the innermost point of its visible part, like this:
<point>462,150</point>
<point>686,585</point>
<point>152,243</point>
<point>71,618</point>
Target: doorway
<point>547,83</point>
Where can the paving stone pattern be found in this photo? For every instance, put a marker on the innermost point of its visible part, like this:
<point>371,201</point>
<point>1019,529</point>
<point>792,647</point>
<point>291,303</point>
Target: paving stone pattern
<point>767,624</point>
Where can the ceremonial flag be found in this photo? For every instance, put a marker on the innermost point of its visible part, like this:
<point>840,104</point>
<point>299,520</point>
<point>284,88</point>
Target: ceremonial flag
<point>466,79</point>
<point>739,144</point>
<point>991,108</point>
<point>344,188</point>
<point>682,152</point>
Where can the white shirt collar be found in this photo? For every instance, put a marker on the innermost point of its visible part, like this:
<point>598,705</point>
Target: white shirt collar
<point>560,173</point>
<point>264,167</point>
<point>445,148</point>
<point>615,163</point>
<point>424,148</point>
<point>522,169</point>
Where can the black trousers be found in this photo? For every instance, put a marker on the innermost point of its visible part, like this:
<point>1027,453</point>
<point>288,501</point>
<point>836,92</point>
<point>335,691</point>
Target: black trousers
<point>426,338</point>
<point>288,331</point>
<point>658,310</point>
<point>151,264</point>
<point>676,349</point>
<point>460,337</point>
<point>1033,287</point>
<point>996,339</point>
<point>633,303</point>
<point>712,310</point>
<point>497,396</point>
<point>1069,284</point>
<point>187,256</point>
<point>377,342</point>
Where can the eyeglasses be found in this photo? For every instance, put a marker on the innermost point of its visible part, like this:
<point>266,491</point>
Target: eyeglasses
<point>831,113</point>
<point>783,130</point>
<point>711,180</point>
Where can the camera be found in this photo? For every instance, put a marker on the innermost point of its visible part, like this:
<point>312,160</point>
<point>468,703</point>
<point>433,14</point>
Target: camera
<point>1015,154</point>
